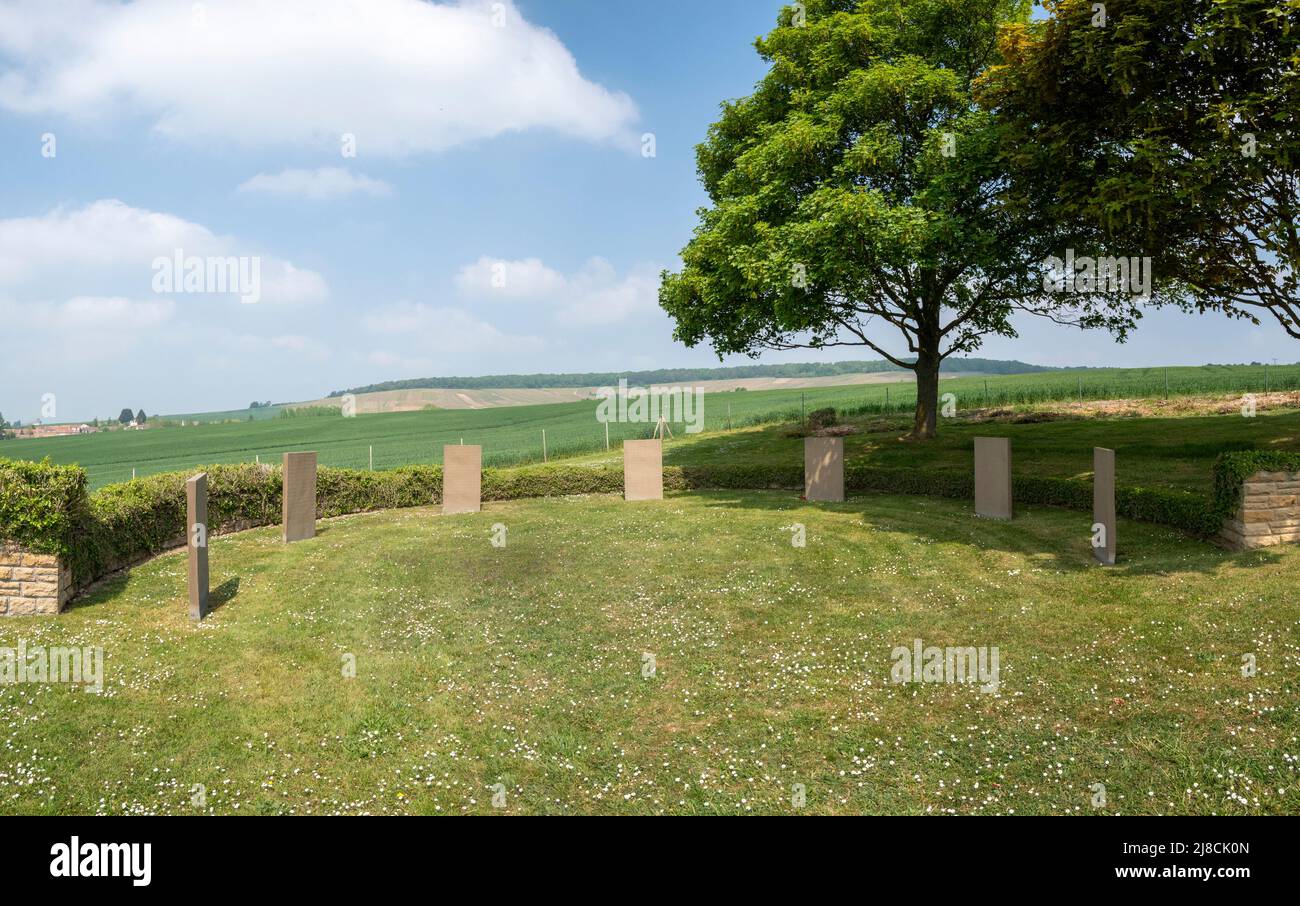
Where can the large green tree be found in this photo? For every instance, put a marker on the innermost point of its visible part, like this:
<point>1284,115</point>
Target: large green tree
<point>856,197</point>
<point>1166,128</point>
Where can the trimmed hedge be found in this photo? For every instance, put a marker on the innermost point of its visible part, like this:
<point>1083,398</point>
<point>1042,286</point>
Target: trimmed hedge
<point>46,508</point>
<point>1232,469</point>
<point>730,478</point>
<point>1180,509</point>
<point>41,504</point>
<point>135,520</point>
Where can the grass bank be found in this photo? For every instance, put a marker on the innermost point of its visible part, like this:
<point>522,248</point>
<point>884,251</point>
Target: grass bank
<point>523,666</point>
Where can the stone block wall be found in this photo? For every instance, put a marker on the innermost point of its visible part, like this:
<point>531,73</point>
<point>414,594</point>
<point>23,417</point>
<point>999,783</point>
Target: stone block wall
<point>1269,513</point>
<point>32,583</point>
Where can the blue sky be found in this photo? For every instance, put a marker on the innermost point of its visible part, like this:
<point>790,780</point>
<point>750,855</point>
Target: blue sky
<point>498,215</point>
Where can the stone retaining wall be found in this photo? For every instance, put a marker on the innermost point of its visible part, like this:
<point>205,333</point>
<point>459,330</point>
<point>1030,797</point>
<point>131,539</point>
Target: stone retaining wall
<point>32,583</point>
<point>1269,513</point>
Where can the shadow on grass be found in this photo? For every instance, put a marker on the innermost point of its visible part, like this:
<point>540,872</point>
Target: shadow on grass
<point>101,591</point>
<point>222,594</point>
<point>116,585</point>
<point>1145,549</point>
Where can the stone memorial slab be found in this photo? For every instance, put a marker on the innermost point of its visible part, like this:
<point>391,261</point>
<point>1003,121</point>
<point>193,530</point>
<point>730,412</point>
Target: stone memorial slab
<point>1103,505</point>
<point>823,468</point>
<point>993,477</point>
<point>299,496</point>
<point>462,478</point>
<point>643,470</point>
<point>196,534</point>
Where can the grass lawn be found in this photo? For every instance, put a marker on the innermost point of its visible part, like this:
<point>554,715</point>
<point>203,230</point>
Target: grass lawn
<point>523,666</point>
<point>1176,453</point>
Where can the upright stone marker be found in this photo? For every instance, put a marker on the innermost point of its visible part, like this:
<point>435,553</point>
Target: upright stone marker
<point>993,477</point>
<point>823,468</point>
<point>299,496</point>
<point>643,470</point>
<point>462,478</point>
<point>1103,505</point>
<point>196,533</point>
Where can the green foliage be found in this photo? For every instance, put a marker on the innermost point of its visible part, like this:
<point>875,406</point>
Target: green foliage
<point>1171,131</point>
<point>549,481</point>
<point>1233,468</point>
<point>1180,509</point>
<point>309,412</point>
<point>857,187</point>
<point>134,520</point>
<point>40,504</point>
<point>814,421</point>
<point>821,418</point>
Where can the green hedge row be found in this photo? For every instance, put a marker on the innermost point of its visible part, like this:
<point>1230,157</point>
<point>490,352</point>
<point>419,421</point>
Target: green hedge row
<point>40,504</point>
<point>1231,469</point>
<point>132,521</point>
<point>46,507</point>
<point>1183,510</point>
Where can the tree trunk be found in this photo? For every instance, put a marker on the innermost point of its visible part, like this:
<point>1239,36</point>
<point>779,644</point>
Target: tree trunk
<point>925,425</point>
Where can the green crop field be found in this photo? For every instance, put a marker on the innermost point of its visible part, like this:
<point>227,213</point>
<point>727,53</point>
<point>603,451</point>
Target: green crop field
<point>240,415</point>
<point>509,435</point>
<point>513,435</point>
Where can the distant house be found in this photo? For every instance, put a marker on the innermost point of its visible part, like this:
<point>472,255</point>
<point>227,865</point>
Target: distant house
<point>39,430</point>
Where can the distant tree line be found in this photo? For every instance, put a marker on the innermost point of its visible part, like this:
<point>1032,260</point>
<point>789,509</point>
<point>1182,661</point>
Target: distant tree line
<point>683,375</point>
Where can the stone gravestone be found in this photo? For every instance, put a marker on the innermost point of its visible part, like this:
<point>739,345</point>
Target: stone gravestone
<point>462,478</point>
<point>643,470</point>
<point>196,533</point>
<point>299,496</point>
<point>993,477</point>
<point>1103,505</point>
<point>823,468</point>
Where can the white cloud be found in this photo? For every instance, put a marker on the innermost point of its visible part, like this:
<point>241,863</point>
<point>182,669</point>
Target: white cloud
<point>295,343</point>
<point>392,362</point>
<point>109,247</point>
<point>282,282</point>
<point>90,335</point>
<point>89,312</point>
<point>595,295</point>
<point>403,76</point>
<point>598,296</point>
<point>498,278</point>
<point>321,184</point>
<point>95,311</point>
<point>444,330</point>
